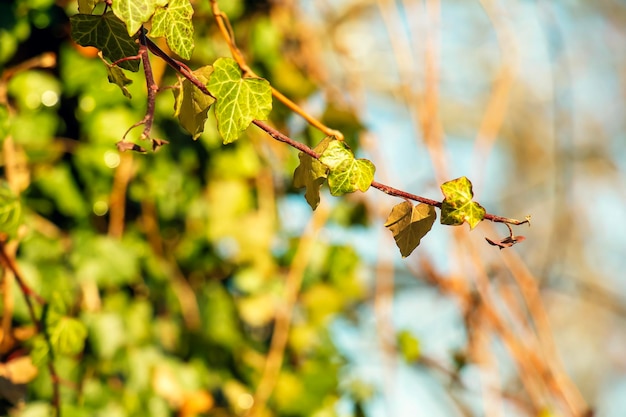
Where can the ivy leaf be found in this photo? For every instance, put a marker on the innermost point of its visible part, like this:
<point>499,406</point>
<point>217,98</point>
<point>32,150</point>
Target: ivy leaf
<point>191,105</point>
<point>346,174</point>
<point>87,6</point>
<point>174,22</point>
<point>68,336</point>
<point>239,100</point>
<point>135,13</point>
<point>116,76</point>
<point>311,174</point>
<point>10,211</point>
<point>458,206</point>
<point>108,34</point>
<point>409,224</point>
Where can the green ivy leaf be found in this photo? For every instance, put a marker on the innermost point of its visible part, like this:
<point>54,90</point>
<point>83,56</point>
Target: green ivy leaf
<point>68,336</point>
<point>135,13</point>
<point>239,100</point>
<point>116,76</point>
<point>10,211</point>
<point>346,174</point>
<point>108,34</point>
<point>311,174</point>
<point>191,105</point>
<point>458,206</point>
<point>174,22</point>
<point>409,346</point>
<point>409,224</point>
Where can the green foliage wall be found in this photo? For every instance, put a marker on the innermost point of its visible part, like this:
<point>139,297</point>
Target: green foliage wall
<point>161,273</point>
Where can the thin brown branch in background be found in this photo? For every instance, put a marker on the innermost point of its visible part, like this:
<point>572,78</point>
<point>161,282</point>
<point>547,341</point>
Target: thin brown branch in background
<point>227,33</point>
<point>284,312</point>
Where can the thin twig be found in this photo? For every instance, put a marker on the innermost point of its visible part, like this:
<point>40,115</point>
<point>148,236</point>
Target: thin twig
<point>282,324</point>
<point>227,33</point>
<point>277,135</point>
<point>152,90</point>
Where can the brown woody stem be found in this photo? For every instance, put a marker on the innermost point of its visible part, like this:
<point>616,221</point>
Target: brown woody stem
<point>183,70</point>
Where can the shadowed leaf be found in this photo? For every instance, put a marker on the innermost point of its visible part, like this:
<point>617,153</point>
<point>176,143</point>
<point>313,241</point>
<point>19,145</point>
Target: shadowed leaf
<point>116,76</point>
<point>108,34</point>
<point>311,174</point>
<point>409,224</point>
<point>191,105</point>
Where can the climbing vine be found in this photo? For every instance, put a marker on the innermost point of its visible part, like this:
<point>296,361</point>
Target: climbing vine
<point>240,98</point>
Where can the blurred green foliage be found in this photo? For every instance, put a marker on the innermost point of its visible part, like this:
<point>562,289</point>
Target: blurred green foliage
<point>161,272</point>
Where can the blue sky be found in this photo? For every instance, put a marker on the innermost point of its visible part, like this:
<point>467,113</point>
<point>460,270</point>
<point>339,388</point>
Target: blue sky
<point>569,93</point>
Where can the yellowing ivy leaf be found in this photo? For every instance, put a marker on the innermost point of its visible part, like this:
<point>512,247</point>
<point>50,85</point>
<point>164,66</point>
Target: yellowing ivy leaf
<point>239,100</point>
<point>108,34</point>
<point>191,105</point>
<point>174,22</point>
<point>116,76</point>
<point>458,206</point>
<point>409,224</point>
<point>346,174</point>
<point>135,13</point>
<point>311,174</point>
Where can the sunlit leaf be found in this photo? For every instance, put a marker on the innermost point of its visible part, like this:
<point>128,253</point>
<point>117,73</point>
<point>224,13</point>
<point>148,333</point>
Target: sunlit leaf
<point>10,211</point>
<point>409,224</point>
<point>239,100</point>
<point>174,22</point>
<point>458,206</point>
<point>191,105</point>
<point>311,174</point>
<point>135,13</point>
<point>409,346</point>
<point>108,34</point>
<point>116,76</point>
<point>346,174</point>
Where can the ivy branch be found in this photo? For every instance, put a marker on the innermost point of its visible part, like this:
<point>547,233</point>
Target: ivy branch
<point>242,98</point>
<point>456,209</point>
